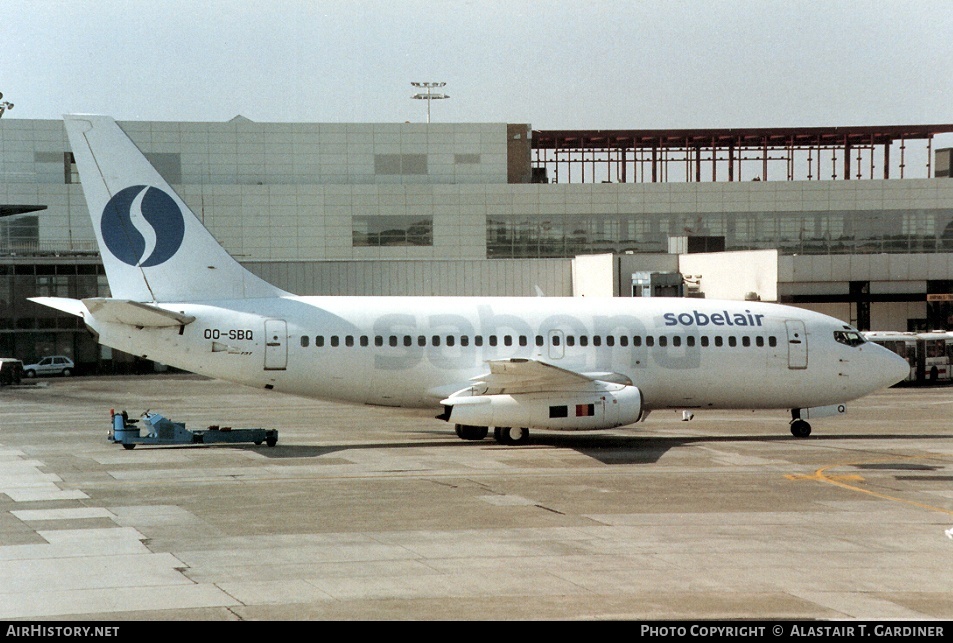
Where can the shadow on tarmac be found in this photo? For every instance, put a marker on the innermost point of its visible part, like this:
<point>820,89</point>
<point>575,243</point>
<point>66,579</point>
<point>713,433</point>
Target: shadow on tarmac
<point>608,449</point>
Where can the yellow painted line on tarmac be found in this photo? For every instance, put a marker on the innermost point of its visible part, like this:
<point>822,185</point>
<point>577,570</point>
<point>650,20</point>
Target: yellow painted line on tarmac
<point>843,481</point>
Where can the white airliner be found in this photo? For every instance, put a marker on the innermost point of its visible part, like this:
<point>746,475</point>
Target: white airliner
<point>507,364</point>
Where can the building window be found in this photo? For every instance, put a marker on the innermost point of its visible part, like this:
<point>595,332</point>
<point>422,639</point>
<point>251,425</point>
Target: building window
<point>400,164</point>
<point>377,231</point>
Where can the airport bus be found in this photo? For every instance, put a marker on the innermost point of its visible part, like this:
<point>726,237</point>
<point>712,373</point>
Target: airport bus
<point>929,354</point>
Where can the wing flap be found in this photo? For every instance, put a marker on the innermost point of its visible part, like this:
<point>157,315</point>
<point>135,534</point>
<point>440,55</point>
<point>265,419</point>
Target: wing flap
<point>517,376</point>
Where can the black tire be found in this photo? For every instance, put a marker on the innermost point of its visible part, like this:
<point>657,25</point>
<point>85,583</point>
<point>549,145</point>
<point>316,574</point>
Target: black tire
<point>469,432</point>
<point>518,435</point>
<point>30,373</point>
<point>800,429</point>
<point>67,372</point>
<point>129,447</point>
<point>271,441</point>
<point>511,435</point>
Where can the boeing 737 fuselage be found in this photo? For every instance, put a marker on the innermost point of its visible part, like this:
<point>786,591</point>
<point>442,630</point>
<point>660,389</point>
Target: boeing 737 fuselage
<point>507,364</point>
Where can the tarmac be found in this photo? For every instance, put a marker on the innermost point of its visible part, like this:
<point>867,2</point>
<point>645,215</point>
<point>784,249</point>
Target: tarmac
<point>362,513</point>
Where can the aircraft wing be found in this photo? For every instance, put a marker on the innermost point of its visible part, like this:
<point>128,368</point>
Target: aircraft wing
<point>518,375</point>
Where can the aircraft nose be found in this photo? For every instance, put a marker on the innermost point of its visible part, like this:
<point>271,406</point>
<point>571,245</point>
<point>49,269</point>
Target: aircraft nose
<point>892,367</point>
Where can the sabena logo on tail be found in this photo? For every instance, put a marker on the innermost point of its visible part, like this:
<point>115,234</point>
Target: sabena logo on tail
<point>142,226</point>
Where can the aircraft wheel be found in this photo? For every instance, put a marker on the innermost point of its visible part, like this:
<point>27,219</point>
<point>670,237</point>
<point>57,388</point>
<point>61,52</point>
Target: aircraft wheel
<point>511,435</point>
<point>129,447</point>
<point>468,432</point>
<point>800,429</point>
<point>519,435</point>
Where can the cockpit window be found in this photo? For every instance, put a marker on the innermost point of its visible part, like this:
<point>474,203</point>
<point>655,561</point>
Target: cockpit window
<point>849,337</point>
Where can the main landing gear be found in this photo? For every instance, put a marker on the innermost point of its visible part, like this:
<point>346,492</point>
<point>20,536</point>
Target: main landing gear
<point>502,434</point>
<point>800,428</point>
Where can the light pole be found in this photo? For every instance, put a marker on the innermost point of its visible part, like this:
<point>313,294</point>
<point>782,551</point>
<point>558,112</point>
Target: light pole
<point>429,96</point>
<point>4,105</point>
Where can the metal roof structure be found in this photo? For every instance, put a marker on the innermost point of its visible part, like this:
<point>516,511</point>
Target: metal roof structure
<point>648,155</point>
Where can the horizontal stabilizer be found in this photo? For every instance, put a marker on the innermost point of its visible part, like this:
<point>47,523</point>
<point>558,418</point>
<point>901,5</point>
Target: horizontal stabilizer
<point>134,313</point>
<point>64,304</point>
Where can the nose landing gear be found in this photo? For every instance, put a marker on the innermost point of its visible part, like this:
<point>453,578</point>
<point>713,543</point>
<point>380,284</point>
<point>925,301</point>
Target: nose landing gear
<point>800,428</point>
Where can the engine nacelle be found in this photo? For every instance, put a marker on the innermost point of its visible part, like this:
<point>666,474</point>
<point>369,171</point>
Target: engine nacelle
<point>570,411</point>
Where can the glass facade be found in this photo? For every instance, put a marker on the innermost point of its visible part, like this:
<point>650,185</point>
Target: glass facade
<point>29,330</point>
<point>823,232</point>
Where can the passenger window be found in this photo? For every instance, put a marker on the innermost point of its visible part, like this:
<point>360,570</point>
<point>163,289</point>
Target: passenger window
<point>363,340</point>
<point>378,340</point>
<point>676,341</point>
<point>421,340</point>
<point>745,341</point>
<point>649,340</point>
<point>492,340</point>
<point>690,340</point>
<point>759,340</point>
<point>570,340</point>
<point>732,341</point>
<point>523,341</point>
<point>556,340</point>
<point>349,340</point>
<point>478,340</point>
<point>539,340</point>
<point>319,341</point>
<point>507,340</point>
<point>335,341</point>
<point>663,340</point>
<point>597,340</point>
<point>718,341</point>
<point>583,340</point>
<point>305,341</point>
<point>393,340</point>
<point>464,340</point>
<point>408,340</point>
<point>435,340</point>
<point>610,340</point>
<point>624,340</point>
<point>772,341</point>
<point>450,341</point>
<point>636,340</point>
<point>704,341</point>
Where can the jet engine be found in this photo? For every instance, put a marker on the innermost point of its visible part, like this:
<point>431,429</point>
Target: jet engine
<point>617,405</point>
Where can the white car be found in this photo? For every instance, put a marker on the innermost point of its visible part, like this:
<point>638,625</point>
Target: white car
<point>55,365</point>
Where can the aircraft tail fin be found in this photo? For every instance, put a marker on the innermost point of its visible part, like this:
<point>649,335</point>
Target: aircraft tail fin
<point>153,246</point>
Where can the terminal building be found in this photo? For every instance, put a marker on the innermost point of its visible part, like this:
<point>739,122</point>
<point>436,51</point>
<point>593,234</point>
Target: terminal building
<point>856,222</point>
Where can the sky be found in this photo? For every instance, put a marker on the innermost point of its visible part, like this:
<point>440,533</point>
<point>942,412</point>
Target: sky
<point>556,64</point>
